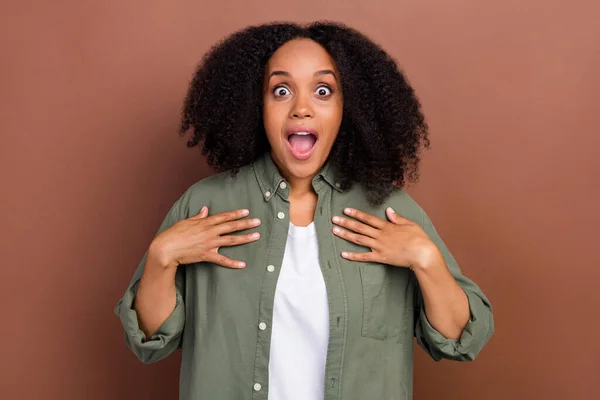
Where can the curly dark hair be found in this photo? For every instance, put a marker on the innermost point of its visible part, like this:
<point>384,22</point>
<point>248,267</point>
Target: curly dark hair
<point>382,131</point>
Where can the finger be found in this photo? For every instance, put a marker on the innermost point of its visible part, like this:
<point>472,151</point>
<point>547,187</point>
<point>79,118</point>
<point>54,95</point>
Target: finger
<point>234,226</point>
<point>361,240</point>
<point>395,217</point>
<point>235,240</point>
<point>203,213</point>
<point>366,218</point>
<point>368,256</point>
<point>226,262</point>
<point>356,226</point>
<point>227,216</point>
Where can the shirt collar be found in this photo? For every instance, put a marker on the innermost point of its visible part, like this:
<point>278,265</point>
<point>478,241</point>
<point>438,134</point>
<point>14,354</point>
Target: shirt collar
<point>270,180</point>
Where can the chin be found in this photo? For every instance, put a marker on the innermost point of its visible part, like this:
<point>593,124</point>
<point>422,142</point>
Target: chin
<point>301,169</point>
<point>303,172</point>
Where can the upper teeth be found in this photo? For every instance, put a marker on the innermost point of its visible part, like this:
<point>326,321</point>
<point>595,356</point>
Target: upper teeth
<point>302,133</point>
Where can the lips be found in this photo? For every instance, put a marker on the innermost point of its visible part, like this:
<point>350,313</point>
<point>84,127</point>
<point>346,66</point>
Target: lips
<point>302,141</point>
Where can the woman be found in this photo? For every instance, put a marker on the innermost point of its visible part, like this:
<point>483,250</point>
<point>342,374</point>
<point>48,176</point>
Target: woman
<point>301,270</point>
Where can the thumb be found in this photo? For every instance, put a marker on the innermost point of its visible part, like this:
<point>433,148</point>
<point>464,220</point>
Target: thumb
<point>393,216</point>
<point>203,212</point>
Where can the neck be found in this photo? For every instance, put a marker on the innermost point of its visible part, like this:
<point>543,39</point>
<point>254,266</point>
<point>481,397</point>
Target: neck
<point>299,188</point>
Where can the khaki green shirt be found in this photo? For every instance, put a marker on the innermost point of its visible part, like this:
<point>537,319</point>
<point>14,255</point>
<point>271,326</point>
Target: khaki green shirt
<point>375,310</point>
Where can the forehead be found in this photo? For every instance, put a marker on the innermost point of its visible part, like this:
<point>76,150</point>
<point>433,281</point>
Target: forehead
<point>300,55</point>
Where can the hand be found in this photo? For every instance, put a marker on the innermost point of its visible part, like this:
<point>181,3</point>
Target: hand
<point>400,242</point>
<point>198,239</point>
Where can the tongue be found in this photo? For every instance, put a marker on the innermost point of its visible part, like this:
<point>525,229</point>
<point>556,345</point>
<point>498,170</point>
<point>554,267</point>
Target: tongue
<point>302,143</point>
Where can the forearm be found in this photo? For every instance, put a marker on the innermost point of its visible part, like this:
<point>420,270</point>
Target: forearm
<point>156,295</point>
<point>446,303</point>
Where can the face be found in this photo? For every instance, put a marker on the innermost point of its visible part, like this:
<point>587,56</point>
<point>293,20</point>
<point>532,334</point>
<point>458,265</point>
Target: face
<point>302,107</point>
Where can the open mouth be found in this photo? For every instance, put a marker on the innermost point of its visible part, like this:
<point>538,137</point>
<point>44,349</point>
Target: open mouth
<point>302,143</point>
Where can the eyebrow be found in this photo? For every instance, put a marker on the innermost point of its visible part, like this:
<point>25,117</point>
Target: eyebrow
<point>318,73</point>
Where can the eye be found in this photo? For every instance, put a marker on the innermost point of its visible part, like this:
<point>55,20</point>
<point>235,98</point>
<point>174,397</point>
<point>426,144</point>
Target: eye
<point>281,91</point>
<point>324,91</point>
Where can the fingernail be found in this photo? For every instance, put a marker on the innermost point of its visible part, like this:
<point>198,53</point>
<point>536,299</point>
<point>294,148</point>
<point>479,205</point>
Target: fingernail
<point>245,212</point>
<point>336,219</point>
<point>390,209</point>
<point>203,209</point>
<point>344,254</point>
<point>255,235</point>
<point>242,264</point>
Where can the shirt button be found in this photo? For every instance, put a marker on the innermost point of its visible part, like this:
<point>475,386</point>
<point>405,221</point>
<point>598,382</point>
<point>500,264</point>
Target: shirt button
<point>257,387</point>
<point>282,185</point>
<point>338,185</point>
<point>267,193</point>
<point>270,268</point>
<point>281,215</point>
<point>262,326</point>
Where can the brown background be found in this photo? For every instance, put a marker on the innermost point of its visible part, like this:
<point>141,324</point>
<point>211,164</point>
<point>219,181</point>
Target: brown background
<point>89,104</point>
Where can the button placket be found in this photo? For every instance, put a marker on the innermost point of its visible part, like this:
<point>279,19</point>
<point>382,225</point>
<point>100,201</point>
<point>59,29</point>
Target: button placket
<point>279,207</point>
<point>338,307</point>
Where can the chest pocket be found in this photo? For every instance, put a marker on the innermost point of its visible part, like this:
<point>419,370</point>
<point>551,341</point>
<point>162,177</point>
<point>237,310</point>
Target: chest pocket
<point>387,293</point>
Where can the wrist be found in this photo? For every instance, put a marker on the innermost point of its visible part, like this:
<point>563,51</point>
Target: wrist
<point>156,275</point>
<point>159,258</point>
<point>429,259</point>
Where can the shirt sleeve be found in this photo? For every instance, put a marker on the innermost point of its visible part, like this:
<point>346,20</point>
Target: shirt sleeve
<point>478,330</point>
<point>168,336</point>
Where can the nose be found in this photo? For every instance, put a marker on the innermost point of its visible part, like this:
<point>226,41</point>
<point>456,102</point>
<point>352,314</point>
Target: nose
<point>301,109</point>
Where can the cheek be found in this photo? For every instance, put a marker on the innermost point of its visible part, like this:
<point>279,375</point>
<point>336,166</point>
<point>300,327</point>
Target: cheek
<point>333,116</point>
<point>274,119</point>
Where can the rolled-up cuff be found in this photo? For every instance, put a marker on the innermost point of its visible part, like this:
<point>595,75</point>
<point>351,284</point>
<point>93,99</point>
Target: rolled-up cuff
<point>162,342</point>
<point>474,336</point>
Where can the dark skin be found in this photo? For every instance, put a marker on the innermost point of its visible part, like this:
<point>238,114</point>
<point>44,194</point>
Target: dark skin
<point>301,89</point>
